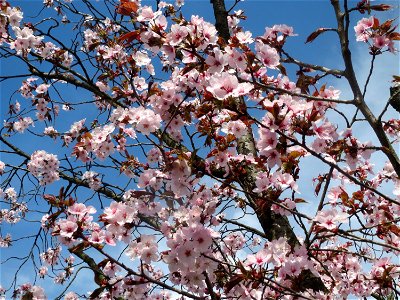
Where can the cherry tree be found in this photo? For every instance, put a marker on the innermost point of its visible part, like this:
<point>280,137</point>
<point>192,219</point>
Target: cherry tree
<point>153,155</point>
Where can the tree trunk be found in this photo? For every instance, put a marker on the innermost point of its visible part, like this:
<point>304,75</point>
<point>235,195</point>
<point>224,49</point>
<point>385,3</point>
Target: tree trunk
<point>274,225</point>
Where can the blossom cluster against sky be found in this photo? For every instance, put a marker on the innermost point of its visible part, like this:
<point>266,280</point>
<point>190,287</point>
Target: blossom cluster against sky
<point>304,16</point>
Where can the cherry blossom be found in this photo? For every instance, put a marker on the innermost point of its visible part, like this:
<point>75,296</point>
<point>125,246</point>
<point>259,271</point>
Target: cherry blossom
<point>268,55</point>
<point>329,219</point>
<point>225,85</point>
<point>44,166</point>
<point>198,160</point>
<point>2,167</point>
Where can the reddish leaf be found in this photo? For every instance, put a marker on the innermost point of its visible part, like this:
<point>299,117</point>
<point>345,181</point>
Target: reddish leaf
<point>103,263</point>
<point>4,6</point>
<point>304,81</point>
<point>51,199</point>
<point>77,248</point>
<point>396,230</point>
<point>386,26</point>
<point>295,154</point>
<point>318,187</point>
<point>316,33</point>
<point>236,279</point>
<point>359,195</point>
<point>396,78</point>
<point>380,7</point>
<point>61,193</point>
<point>127,8</point>
<point>300,200</point>
<point>129,37</point>
<point>394,36</point>
<point>230,138</point>
<point>69,202</point>
<point>138,194</point>
<point>376,23</point>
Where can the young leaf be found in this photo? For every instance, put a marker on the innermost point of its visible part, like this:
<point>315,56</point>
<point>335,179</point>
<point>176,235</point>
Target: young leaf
<point>126,8</point>
<point>316,33</point>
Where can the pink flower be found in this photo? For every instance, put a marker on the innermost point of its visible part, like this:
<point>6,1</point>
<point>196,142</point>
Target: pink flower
<point>186,254</point>
<point>14,16</point>
<point>44,166</point>
<point>244,37</point>
<point>119,214</point>
<point>267,142</point>
<point>71,296</point>
<point>326,131</point>
<point>154,155</point>
<point>102,86</point>
<point>283,181</point>
<point>291,268</point>
<point>150,178</point>
<point>237,128</point>
<point>234,241</point>
<point>25,39</point>
<point>177,34</point>
<point>67,228</point>
<point>23,124</point>
<point>97,237</point>
<point>330,93</point>
<point>396,190</point>
<point>329,219</point>
<point>380,41</point>
<point>80,209</point>
<point>38,293</point>
<point>284,29</point>
<point>42,271</point>
<point>149,123</point>
<point>41,89</point>
<point>235,59</point>
<point>259,258</point>
<point>149,254</point>
<point>318,145</point>
<point>267,55</point>
<point>92,178</point>
<point>109,239</point>
<point>202,238</point>
<point>216,61</point>
<point>361,29</point>
<point>263,182</point>
<point>147,14</point>
<point>225,85</point>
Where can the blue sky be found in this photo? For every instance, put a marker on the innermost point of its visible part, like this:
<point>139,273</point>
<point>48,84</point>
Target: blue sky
<point>304,16</point>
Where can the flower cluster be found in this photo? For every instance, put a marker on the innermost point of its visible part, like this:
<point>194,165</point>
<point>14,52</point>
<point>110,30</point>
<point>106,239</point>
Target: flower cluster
<point>44,166</point>
<point>92,178</point>
<point>146,248</point>
<point>144,120</point>
<point>258,127</point>
<point>29,291</point>
<point>378,36</point>
<point>23,124</point>
<point>25,40</point>
<point>224,85</point>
